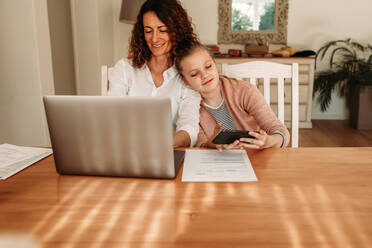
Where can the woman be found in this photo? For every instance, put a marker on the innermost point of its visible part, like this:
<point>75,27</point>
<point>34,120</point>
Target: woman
<point>149,70</point>
<point>228,103</point>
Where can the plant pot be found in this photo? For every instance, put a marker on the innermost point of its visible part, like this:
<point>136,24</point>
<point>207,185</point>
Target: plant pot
<point>361,107</point>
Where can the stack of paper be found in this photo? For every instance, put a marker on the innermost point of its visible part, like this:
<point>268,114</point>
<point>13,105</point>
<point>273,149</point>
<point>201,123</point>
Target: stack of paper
<point>15,158</point>
<point>215,166</point>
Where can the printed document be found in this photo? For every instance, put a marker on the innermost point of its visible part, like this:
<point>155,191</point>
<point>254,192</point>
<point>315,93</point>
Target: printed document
<point>15,158</point>
<point>215,166</point>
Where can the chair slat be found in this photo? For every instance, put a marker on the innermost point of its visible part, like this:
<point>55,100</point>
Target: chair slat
<point>253,81</point>
<point>295,107</point>
<point>281,99</point>
<point>104,80</point>
<point>267,89</point>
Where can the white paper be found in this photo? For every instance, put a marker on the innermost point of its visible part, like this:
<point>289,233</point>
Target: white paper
<point>15,158</point>
<point>215,166</point>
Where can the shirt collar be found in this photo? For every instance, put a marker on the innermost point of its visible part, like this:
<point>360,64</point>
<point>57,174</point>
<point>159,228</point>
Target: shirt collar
<point>146,69</point>
<point>171,72</point>
<point>168,74</point>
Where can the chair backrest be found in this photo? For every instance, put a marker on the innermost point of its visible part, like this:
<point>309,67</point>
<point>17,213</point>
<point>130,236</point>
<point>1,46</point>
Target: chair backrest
<point>105,80</point>
<point>269,70</point>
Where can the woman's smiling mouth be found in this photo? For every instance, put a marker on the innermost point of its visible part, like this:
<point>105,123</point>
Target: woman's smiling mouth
<point>157,45</point>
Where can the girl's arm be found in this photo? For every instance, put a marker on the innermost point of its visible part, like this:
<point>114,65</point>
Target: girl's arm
<point>272,129</point>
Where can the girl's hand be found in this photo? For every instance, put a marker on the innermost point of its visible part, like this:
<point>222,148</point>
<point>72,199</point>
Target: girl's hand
<point>234,145</point>
<point>262,140</point>
<point>217,129</point>
<point>259,142</point>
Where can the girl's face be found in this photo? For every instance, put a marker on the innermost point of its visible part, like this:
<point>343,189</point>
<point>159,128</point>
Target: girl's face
<point>156,34</point>
<point>200,72</point>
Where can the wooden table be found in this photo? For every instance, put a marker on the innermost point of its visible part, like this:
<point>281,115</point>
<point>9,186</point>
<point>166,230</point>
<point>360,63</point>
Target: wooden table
<point>305,197</point>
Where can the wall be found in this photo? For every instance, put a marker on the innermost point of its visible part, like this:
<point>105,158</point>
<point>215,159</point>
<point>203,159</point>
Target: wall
<point>59,15</point>
<point>25,71</point>
<point>122,33</point>
<point>92,24</point>
<point>26,66</point>
<point>310,24</point>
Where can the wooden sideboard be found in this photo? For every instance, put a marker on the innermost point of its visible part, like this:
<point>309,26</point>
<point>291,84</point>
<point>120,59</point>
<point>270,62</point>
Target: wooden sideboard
<point>306,81</point>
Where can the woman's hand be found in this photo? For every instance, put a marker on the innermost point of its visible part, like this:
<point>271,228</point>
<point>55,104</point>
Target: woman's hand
<point>262,140</point>
<point>181,139</point>
<point>217,129</point>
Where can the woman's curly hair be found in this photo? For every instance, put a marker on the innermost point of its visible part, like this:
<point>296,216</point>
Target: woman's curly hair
<point>174,16</point>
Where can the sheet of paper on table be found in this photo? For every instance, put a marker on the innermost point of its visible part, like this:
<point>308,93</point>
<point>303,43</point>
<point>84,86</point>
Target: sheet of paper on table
<point>15,158</point>
<point>215,166</point>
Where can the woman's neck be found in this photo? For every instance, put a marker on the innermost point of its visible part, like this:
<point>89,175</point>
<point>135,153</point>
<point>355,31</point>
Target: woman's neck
<point>214,98</point>
<point>158,64</point>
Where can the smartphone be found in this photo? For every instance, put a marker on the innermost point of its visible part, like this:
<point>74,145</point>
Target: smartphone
<point>229,136</point>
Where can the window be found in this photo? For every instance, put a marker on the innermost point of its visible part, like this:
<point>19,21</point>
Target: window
<point>253,15</point>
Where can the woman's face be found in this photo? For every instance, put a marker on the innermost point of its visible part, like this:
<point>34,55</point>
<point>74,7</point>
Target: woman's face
<point>156,35</point>
<point>200,72</point>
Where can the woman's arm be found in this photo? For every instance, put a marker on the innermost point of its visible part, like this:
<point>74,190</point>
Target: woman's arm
<point>188,117</point>
<point>181,139</point>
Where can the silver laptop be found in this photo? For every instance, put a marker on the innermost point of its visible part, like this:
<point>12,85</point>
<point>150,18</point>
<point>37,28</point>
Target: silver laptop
<point>112,136</point>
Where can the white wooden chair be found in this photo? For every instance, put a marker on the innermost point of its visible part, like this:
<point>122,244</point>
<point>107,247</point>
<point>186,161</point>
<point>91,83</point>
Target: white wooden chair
<point>105,84</point>
<point>269,70</point>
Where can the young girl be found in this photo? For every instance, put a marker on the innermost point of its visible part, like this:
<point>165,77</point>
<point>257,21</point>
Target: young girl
<point>228,103</point>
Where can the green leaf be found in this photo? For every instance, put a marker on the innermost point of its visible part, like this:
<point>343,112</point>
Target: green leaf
<point>350,63</point>
<point>344,49</point>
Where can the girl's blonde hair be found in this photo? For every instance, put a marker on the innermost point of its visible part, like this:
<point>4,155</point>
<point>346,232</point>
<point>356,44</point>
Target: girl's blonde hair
<point>186,48</point>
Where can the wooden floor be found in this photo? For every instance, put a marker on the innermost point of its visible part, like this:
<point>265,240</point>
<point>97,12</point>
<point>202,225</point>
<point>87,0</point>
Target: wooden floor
<point>330,133</point>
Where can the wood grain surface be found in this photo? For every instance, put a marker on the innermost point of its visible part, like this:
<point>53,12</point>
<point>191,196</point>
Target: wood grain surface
<point>305,197</point>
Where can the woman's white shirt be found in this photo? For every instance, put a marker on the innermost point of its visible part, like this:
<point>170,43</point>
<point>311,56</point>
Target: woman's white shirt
<point>125,80</point>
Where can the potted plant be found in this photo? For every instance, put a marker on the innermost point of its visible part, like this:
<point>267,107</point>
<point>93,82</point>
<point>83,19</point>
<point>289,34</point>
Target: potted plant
<point>349,72</point>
